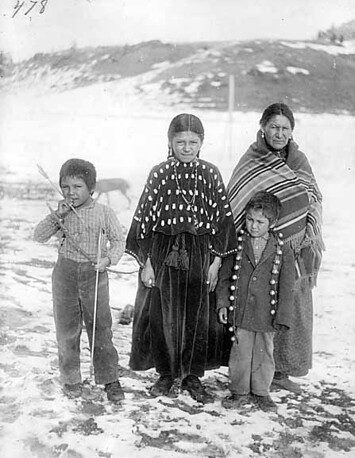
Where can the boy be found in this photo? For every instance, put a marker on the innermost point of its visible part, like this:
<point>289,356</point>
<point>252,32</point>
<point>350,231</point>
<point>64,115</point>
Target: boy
<point>80,220</point>
<point>260,281</point>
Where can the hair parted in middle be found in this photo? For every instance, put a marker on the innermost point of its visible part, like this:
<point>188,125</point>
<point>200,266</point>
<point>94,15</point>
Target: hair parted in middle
<point>268,203</point>
<point>277,109</point>
<point>186,122</point>
<point>80,169</point>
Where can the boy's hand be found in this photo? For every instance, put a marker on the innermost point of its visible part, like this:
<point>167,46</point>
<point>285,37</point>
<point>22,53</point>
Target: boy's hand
<point>212,275</point>
<point>63,209</point>
<point>223,315</point>
<point>101,266</point>
<point>147,275</point>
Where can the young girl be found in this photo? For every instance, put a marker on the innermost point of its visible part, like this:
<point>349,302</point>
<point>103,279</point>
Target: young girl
<point>181,229</point>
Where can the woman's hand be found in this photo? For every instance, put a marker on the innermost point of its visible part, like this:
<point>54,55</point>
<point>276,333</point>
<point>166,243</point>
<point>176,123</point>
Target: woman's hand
<point>147,275</point>
<point>212,276</point>
<point>223,315</point>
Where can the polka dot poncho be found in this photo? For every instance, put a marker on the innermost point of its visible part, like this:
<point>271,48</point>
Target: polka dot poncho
<point>183,198</point>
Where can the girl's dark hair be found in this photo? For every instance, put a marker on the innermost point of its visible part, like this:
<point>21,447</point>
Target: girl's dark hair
<point>268,203</point>
<point>80,169</point>
<point>186,122</point>
<point>277,109</point>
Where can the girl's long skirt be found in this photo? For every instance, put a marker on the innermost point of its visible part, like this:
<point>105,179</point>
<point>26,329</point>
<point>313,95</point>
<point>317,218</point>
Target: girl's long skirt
<point>175,326</point>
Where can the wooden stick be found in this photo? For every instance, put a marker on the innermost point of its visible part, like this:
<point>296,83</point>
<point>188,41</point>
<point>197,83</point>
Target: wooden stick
<point>72,241</point>
<point>231,97</point>
<point>95,305</point>
<point>66,232</point>
<point>45,175</point>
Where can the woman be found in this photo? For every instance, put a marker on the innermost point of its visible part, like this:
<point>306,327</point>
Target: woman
<point>275,164</point>
<point>182,227</point>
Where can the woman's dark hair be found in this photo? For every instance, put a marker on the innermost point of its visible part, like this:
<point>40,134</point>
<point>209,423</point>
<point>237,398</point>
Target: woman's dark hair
<point>268,203</point>
<point>80,169</point>
<point>186,122</point>
<point>277,109</point>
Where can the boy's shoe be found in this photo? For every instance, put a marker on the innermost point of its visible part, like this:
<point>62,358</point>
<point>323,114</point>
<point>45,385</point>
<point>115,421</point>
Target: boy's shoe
<point>114,392</point>
<point>286,384</point>
<point>73,390</point>
<point>193,385</point>
<point>162,386</point>
<point>265,403</point>
<point>235,401</point>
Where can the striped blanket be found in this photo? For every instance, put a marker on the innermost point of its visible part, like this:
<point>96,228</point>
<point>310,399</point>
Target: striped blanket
<point>294,184</point>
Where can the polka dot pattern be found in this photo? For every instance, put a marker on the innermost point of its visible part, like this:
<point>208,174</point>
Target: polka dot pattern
<point>185,197</point>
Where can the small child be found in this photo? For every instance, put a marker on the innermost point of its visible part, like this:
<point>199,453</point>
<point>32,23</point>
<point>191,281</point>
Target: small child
<point>258,284</point>
<point>79,221</point>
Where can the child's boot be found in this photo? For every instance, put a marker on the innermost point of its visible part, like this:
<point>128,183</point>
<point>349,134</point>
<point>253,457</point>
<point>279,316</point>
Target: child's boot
<point>114,392</point>
<point>162,386</point>
<point>73,390</point>
<point>235,401</point>
<point>193,385</point>
<point>265,403</point>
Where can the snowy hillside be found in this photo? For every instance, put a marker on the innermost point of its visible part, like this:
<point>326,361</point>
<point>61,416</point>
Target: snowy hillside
<point>313,77</point>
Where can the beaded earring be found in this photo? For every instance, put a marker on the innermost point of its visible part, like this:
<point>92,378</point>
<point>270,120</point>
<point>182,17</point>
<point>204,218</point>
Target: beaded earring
<point>262,134</point>
<point>275,270</point>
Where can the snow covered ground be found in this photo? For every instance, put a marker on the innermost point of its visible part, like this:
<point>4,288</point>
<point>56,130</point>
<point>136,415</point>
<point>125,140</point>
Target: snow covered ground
<point>124,138</point>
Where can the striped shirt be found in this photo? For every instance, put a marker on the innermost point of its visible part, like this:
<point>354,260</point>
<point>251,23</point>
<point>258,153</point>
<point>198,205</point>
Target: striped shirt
<point>83,232</point>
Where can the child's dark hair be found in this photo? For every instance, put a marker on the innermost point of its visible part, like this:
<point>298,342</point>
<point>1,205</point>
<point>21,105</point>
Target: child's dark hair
<point>80,169</point>
<point>186,122</point>
<point>268,203</point>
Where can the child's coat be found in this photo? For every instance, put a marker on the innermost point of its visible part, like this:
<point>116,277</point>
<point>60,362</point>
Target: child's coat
<point>253,292</point>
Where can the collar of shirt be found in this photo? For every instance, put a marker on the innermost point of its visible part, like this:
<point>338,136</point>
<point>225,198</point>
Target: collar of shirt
<point>258,244</point>
<point>90,204</point>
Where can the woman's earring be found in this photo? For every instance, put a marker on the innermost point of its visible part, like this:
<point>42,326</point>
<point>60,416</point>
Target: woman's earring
<point>262,134</point>
<point>170,151</point>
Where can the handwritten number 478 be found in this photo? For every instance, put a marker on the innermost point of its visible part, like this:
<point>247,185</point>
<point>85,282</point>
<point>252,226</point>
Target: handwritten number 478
<point>19,5</point>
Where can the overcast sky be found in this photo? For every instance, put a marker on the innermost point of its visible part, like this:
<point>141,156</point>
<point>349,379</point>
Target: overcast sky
<point>100,22</point>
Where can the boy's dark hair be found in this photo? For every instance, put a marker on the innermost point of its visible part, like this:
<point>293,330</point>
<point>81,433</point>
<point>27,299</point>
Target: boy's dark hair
<point>80,169</point>
<point>268,203</point>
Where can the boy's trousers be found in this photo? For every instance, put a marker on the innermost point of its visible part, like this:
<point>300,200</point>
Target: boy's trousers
<point>251,362</point>
<point>73,303</point>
